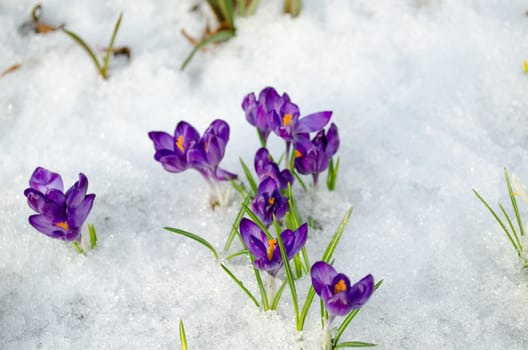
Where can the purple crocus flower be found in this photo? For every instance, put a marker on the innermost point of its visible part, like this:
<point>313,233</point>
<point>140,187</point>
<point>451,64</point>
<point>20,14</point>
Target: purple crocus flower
<point>269,202</point>
<point>186,149</point>
<point>313,157</point>
<point>266,251</point>
<point>60,215</point>
<point>257,111</point>
<point>266,168</point>
<point>334,289</point>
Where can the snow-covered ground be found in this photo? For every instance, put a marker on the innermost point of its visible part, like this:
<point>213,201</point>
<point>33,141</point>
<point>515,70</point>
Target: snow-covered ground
<point>431,101</point>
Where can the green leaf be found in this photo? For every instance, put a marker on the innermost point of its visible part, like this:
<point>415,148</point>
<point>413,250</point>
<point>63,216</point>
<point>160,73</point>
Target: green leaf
<point>106,61</point>
<point>78,247</point>
<point>236,223</point>
<point>222,35</point>
<point>301,182</point>
<point>240,284</point>
<point>332,174</point>
<point>249,177</point>
<point>197,238</point>
<point>93,236</point>
<point>240,252</point>
<point>334,241</point>
<point>306,308</point>
<point>515,208</point>
<point>227,9</point>
<point>498,220</point>
<point>290,278</point>
<point>86,48</point>
<point>278,295</point>
<point>239,187</point>
<point>183,337</point>
<point>354,344</point>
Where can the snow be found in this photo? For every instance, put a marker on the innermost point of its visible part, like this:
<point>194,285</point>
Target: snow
<point>430,98</point>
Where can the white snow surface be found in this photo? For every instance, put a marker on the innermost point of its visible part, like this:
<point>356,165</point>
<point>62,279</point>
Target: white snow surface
<point>430,98</point>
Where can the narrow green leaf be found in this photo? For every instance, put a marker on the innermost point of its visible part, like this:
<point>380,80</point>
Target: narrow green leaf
<point>236,223</point>
<point>219,36</point>
<point>331,178</point>
<point>93,236</point>
<point>301,182</point>
<point>86,48</point>
<point>240,284</point>
<point>290,278</point>
<point>278,295</point>
<point>332,245</point>
<point>240,252</point>
<point>78,247</point>
<point>239,187</point>
<point>514,204</point>
<point>249,177</point>
<point>252,7</point>
<point>518,246</point>
<point>262,290</point>
<point>183,337</point>
<point>216,9</point>
<point>497,219</point>
<point>227,8</point>
<point>354,344</point>
<point>257,221</point>
<point>197,238</point>
<point>110,47</point>
<point>306,308</point>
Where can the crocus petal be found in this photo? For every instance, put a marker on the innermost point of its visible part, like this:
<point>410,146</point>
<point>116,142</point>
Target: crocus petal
<point>267,186</point>
<point>332,137</point>
<point>269,98</point>
<point>162,140</point>
<point>322,275</point>
<point>77,192</point>
<point>301,234</point>
<point>197,158</point>
<point>314,122</point>
<point>35,199</point>
<point>44,180</point>
<point>221,174</point>
<point>44,224</point>
<point>219,128</point>
<point>261,159</point>
<point>77,216</point>
<point>249,105</point>
<point>173,163</point>
<point>249,229</point>
<point>360,292</point>
<point>189,137</point>
<point>214,149</point>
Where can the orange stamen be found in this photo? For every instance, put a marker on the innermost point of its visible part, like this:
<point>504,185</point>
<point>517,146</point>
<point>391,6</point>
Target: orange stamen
<point>297,154</point>
<point>63,224</point>
<point>286,120</point>
<point>340,287</point>
<point>179,143</point>
<point>271,248</point>
<point>271,200</point>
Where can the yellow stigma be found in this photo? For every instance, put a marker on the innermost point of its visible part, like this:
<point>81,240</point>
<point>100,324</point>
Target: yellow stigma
<point>63,224</point>
<point>297,154</point>
<point>340,286</point>
<point>287,119</point>
<point>271,248</point>
<point>271,200</point>
<point>179,143</point>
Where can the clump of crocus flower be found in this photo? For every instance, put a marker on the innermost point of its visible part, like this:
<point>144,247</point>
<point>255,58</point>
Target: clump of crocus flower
<point>312,157</point>
<point>185,149</point>
<point>338,295</point>
<point>258,110</point>
<point>60,214</point>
